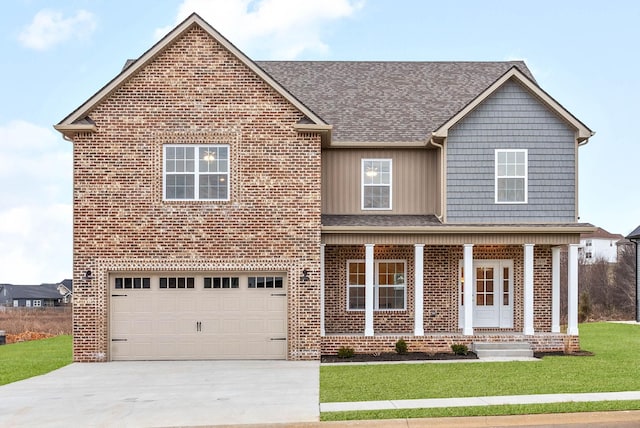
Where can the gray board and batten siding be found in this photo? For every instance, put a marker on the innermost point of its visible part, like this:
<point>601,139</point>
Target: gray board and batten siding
<point>511,118</point>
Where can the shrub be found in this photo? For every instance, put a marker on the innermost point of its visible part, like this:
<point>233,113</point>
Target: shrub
<point>345,352</point>
<point>460,349</point>
<point>401,347</point>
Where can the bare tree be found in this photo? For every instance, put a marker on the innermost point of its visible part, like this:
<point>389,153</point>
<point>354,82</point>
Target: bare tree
<point>625,281</point>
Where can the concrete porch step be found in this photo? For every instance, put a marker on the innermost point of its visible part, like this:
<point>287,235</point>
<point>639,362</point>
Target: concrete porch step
<point>502,349</point>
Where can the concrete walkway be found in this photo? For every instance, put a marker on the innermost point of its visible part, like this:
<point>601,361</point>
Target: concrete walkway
<point>479,401</point>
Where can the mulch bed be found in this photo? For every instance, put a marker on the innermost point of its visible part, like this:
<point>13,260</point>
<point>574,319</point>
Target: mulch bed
<point>423,356</point>
<point>393,356</point>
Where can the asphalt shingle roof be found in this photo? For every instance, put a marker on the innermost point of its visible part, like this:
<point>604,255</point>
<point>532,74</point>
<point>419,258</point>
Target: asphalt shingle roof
<point>44,291</point>
<point>386,101</point>
<point>635,234</point>
<point>380,220</point>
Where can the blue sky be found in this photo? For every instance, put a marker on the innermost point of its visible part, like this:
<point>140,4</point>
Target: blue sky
<point>56,54</point>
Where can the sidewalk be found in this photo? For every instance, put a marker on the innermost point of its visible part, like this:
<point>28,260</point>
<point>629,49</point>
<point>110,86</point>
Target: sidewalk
<point>479,401</point>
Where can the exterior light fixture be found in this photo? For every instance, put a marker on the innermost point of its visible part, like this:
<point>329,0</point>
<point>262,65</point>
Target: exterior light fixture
<point>87,276</point>
<point>371,172</point>
<point>305,275</point>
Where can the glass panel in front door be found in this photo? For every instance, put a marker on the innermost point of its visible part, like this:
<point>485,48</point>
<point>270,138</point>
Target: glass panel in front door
<point>485,287</point>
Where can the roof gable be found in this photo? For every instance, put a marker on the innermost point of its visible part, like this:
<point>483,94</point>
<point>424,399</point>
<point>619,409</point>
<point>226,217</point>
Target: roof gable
<point>77,120</point>
<point>582,131</point>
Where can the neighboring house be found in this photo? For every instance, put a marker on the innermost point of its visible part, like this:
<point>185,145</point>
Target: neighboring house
<point>66,289</point>
<point>599,245</point>
<point>30,296</point>
<point>226,208</point>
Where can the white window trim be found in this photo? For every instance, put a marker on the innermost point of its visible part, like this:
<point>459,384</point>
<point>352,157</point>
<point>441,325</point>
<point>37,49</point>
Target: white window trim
<point>376,285</point>
<point>362,184</point>
<point>37,303</point>
<point>196,173</point>
<point>526,176</point>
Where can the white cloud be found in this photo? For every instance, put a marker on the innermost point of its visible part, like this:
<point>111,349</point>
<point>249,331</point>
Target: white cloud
<point>281,29</point>
<point>50,27</point>
<point>36,214</point>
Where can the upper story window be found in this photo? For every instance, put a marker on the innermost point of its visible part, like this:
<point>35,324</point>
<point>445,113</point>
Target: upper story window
<point>196,172</point>
<point>376,184</point>
<point>511,176</point>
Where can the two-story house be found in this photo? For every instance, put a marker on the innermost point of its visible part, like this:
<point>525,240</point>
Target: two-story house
<point>228,208</point>
<point>599,245</point>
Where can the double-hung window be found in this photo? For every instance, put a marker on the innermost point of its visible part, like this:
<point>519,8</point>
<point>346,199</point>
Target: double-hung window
<point>376,184</point>
<point>511,176</point>
<point>390,285</point>
<point>196,172</point>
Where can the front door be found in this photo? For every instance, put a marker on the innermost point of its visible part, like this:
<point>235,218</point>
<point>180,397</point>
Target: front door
<point>492,294</point>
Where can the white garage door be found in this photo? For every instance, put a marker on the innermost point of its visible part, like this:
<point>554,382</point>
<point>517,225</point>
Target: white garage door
<point>192,317</point>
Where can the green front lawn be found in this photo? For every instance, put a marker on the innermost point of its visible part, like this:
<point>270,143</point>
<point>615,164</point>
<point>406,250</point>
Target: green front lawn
<point>615,367</point>
<point>27,359</point>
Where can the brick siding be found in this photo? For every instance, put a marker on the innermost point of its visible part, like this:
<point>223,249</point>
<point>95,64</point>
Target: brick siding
<point>195,92</point>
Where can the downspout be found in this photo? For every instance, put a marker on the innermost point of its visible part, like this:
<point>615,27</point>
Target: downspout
<point>637,242</point>
<point>443,179</point>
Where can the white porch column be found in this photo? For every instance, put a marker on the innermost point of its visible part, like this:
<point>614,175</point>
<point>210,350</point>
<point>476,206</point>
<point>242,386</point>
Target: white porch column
<point>555,289</point>
<point>469,289</point>
<point>368,296</point>
<point>322,330</point>
<point>528,289</point>
<point>572,290</point>
<point>418,322</point>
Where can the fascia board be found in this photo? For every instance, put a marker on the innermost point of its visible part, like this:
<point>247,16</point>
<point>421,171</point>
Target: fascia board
<point>448,229</point>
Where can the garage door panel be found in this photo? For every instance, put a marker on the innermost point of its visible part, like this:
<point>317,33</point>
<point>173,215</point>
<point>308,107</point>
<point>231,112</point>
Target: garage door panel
<point>232,326</point>
<point>164,303</point>
<point>231,303</point>
<point>277,304</point>
<point>227,320</point>
<point>275,326</point>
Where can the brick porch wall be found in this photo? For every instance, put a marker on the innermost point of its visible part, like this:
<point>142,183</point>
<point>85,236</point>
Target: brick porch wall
<point>195,92</point>
<point>441,342</point>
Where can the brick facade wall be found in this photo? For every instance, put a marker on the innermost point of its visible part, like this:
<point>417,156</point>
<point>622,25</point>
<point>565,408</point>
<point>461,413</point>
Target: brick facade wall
<point>195,92</point>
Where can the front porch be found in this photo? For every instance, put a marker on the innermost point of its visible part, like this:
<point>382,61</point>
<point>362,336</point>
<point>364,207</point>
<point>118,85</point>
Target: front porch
<point>373,294</point>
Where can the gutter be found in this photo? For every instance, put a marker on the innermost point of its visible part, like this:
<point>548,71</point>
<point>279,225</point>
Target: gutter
<point>451,229</point>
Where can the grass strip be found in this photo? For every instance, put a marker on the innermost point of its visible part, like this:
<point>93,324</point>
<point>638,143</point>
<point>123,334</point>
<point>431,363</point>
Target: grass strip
<point>500,410</point>
<point>23,360</point>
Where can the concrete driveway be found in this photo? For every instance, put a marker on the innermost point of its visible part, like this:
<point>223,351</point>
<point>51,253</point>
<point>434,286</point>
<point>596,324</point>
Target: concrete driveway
<point>164,394</point>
